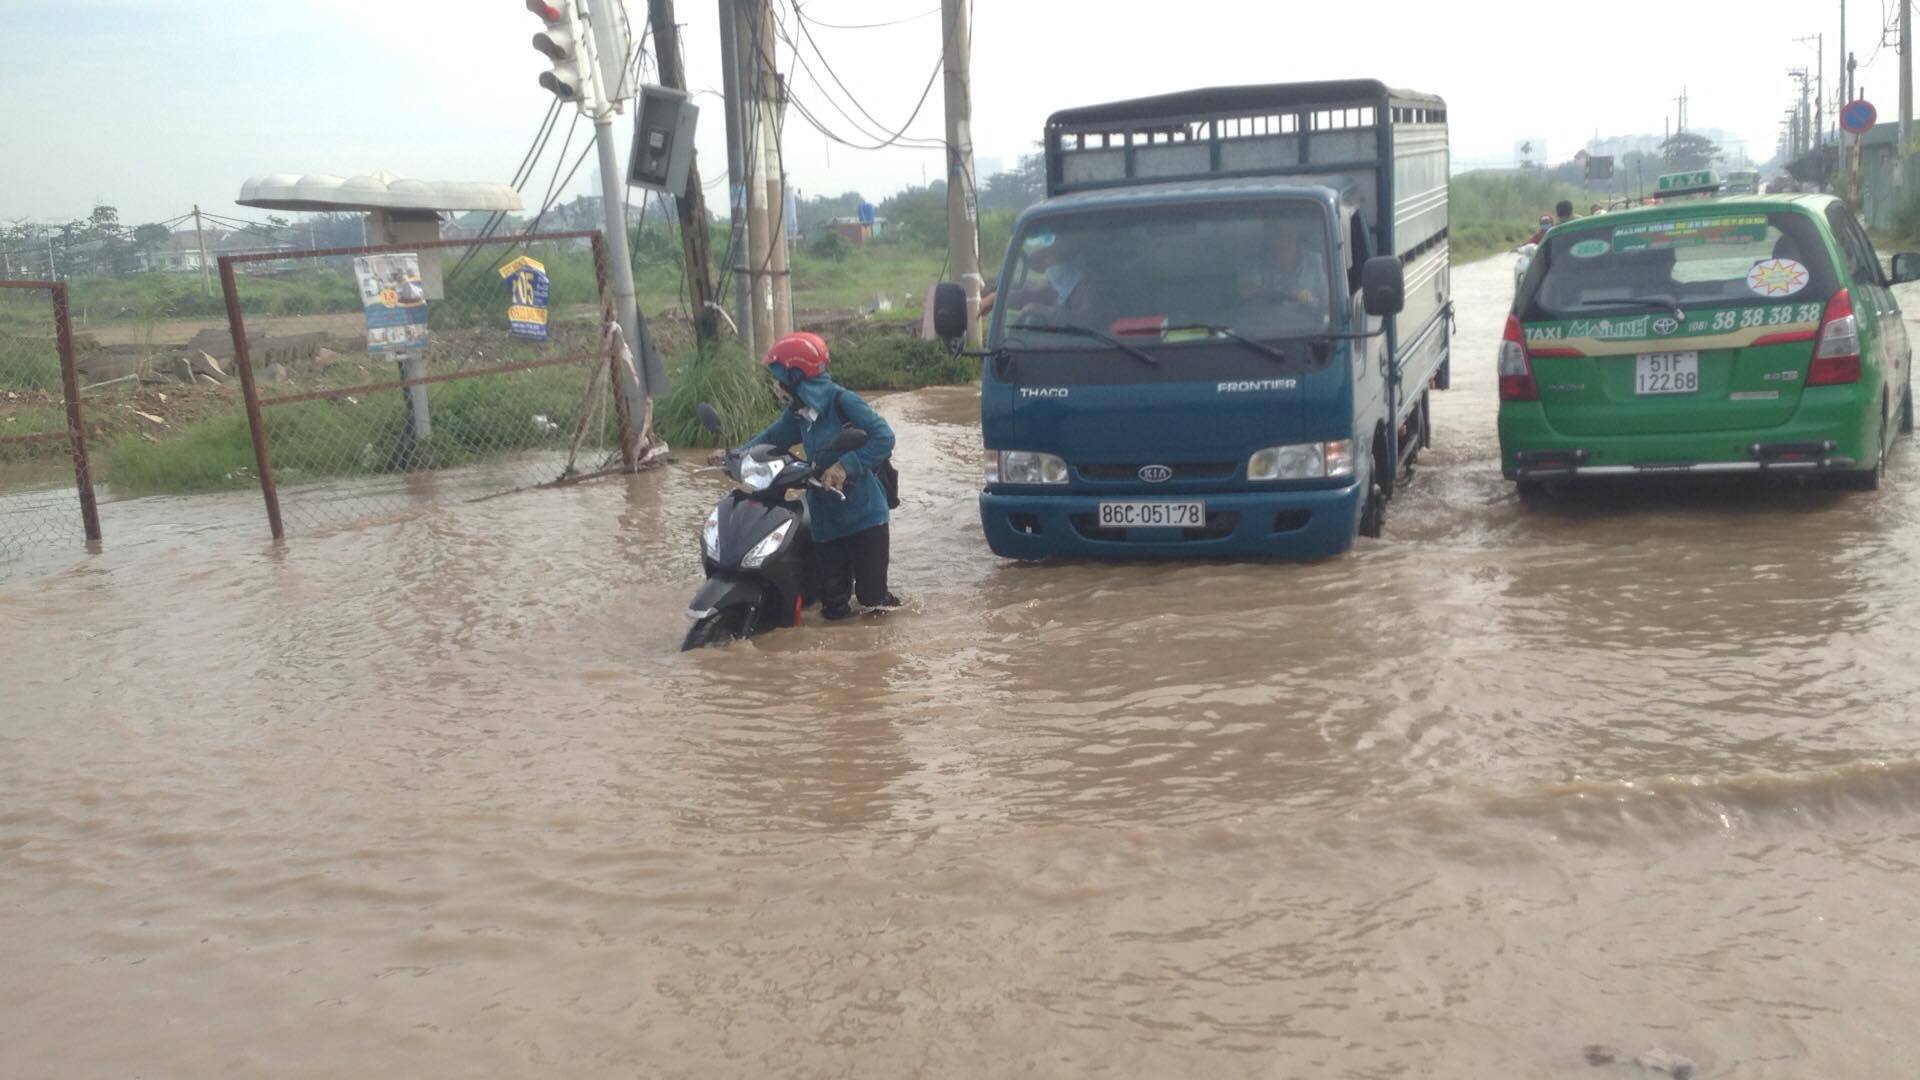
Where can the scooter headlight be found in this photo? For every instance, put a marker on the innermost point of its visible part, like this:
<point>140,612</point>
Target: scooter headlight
<point>766,548</point>
<point>710,535</point>
<point>758,475</point>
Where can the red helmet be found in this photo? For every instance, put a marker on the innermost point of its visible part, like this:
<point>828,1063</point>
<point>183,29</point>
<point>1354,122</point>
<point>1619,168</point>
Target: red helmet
<point>804,352</point>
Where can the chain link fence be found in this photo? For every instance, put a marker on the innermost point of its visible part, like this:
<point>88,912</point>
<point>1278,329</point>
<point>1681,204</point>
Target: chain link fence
<point>397,375</point>
<point>46,490</point>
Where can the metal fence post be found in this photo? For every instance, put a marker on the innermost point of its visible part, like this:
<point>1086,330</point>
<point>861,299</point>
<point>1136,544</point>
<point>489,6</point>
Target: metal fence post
<point>76,427</point>
<point>255,422</point>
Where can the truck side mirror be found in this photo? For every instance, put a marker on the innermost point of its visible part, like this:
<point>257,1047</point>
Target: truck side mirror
<point>1906,267</point>
<point>1383,285</point>
<point>949,311</point>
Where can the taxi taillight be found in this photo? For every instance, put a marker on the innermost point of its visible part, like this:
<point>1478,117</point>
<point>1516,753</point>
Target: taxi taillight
<point>1516,371</point>
<point>1836,360</point>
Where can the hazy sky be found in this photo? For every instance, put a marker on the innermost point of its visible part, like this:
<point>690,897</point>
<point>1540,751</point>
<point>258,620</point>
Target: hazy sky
<point>153,105</point>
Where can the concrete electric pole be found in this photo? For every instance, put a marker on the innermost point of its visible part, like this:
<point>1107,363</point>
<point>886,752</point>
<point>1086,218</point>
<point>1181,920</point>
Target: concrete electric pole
<point>739,258</point>
<point>756,72</point>
<point>963,232</point>
<point>1906,95</point>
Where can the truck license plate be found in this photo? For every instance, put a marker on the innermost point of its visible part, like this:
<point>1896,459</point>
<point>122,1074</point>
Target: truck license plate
<point>1153,515</point>
<point>1666,373</point>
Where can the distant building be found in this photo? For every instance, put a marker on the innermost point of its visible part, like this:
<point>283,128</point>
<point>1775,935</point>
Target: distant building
<point>855,230</point>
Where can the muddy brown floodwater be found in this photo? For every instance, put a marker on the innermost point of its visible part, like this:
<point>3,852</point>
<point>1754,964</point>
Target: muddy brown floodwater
<point>438,797</point>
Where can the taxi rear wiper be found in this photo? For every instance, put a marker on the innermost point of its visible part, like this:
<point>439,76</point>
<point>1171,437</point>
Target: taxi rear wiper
<point>1087,332</point>
<point>1652,301</point>
<point>1232,334</point>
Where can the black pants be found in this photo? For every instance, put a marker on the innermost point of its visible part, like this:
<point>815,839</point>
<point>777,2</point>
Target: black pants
<point>857,559</point>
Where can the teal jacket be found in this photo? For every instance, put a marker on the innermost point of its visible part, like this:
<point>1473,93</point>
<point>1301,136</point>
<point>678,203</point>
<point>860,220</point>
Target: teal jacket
<point>866,503</point>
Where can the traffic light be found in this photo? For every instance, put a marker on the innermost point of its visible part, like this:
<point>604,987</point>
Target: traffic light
<point>564,46</point>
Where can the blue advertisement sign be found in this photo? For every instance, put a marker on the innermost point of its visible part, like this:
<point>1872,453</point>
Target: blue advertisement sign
<point>527,290</point>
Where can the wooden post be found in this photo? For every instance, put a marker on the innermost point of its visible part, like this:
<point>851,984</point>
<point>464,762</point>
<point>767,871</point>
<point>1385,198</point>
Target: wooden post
<point>696,243</point>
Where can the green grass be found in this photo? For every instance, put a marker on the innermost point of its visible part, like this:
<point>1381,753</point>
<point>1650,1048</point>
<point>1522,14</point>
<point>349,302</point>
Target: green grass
<point>740,391</point>
<point>29,364</point>
<point>473,419</point>
<point>896,362</point>
<point>723,377</point>
<point>1495,211</point>
<point>205,457</point>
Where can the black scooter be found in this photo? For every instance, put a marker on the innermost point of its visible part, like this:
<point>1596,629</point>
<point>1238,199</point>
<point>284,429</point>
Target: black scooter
<point>757,546</point>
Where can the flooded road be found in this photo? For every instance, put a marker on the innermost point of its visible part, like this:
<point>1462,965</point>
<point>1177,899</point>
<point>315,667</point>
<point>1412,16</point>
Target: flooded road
<point>440,798</point>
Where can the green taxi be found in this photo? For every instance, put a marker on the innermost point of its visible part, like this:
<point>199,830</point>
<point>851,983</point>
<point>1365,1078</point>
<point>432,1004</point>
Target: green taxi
<point>1725,335</point>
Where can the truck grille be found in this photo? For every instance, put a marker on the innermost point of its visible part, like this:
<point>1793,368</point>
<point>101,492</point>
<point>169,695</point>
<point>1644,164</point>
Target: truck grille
<point>1192,470</point>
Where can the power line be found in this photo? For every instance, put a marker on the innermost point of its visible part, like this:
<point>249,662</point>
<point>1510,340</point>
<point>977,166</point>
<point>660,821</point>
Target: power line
<point>885,140</point>
<point>869,26</point>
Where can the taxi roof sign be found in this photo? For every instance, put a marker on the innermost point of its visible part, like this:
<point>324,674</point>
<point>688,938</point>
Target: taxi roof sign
<point>1699,182</point>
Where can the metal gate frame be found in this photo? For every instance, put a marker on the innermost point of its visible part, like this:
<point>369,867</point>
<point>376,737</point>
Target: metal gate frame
<point>76,433</point>
<point>256,422</point>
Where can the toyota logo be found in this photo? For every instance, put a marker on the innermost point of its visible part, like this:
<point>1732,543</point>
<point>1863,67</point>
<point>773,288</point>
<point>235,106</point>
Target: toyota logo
<point>1663,327</point>
<point>1155,474</point>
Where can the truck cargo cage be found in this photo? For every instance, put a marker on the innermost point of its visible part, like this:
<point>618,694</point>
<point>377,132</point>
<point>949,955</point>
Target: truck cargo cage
<point>1298,129</point>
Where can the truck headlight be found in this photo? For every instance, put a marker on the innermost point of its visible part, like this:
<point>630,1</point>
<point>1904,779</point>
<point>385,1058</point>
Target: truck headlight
<point>710,535</point>
<point>1024,467</point>
<point>1302,461</point>
<point>764,550</point>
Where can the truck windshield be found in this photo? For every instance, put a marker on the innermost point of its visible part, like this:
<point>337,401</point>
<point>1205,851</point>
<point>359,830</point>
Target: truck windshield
<point>1712,259</point>
<point>1262,269</point>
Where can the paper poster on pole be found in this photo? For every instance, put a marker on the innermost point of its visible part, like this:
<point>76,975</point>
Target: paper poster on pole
<point>395,301</point>
<point>527,290</point>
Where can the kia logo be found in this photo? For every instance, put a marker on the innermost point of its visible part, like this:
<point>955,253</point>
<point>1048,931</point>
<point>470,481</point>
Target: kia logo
<point>1155,474</point>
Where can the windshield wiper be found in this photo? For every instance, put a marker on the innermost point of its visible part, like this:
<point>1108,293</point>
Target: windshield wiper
<point>1651,301</point>
<point>1234,335</point>
<point>1086,332</point>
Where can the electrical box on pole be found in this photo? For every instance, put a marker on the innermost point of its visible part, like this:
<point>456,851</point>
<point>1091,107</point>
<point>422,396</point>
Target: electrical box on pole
<point>662,140</point>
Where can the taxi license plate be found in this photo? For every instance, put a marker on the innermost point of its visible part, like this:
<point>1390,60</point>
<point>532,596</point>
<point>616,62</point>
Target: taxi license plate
<point>1152,515</point>
<point>1666,373</point>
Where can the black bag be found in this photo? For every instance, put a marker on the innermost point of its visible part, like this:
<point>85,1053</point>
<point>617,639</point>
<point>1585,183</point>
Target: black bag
<point>889,476</point>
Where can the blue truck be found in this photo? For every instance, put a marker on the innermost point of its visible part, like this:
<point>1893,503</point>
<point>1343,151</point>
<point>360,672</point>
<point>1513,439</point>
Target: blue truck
<point>1217,334</point>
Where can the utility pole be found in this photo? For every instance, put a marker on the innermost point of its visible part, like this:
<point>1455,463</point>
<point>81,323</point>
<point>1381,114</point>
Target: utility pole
<point>1819,85</point>
<point>963,232</point>
<point>1906,95</point>
<point>779,272</point>
<point>1845,92</point>
<point>736,175</point>
<point>758,50</point>
<point>696,242</point>
<point>206,272</point>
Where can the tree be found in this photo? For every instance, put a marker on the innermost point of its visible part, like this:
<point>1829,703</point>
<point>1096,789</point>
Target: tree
<point>1016,190</point>
<point>104,223</point>
<point>829,246</point>
<point>1685,151</point>
<point>919,214</point>
<point>150,236</point>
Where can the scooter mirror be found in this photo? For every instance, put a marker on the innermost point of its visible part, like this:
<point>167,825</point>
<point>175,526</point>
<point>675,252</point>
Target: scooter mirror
<point>763,452</point>
<point>849,438</point>
<point>709,418</point>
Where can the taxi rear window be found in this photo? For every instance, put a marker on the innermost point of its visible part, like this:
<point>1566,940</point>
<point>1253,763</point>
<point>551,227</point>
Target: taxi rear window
<point>1702,260</point>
